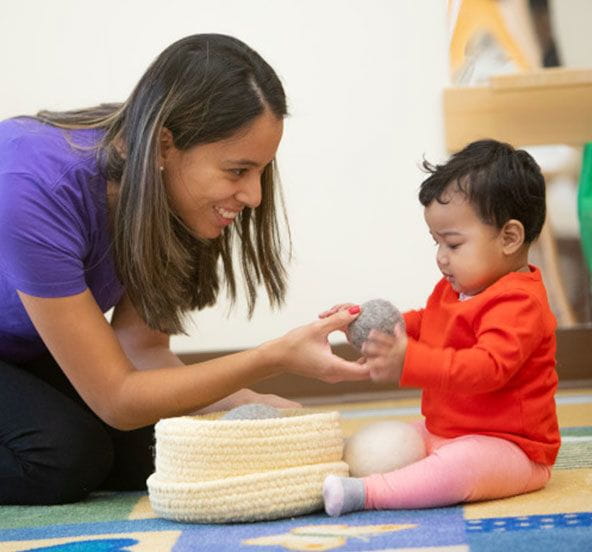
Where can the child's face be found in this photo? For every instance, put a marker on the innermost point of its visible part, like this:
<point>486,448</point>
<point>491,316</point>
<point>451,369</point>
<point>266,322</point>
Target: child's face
<point>470,253</point>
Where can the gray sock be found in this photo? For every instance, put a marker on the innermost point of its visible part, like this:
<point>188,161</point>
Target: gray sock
<point>343,494</point>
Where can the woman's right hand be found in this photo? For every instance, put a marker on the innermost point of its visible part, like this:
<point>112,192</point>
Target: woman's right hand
<point>336,308</point>
<point>306,351</point>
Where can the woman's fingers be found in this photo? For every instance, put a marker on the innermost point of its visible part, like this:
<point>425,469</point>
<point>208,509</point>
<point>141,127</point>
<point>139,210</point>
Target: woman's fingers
<point>336,308</point>
<point>339,320</point>
<point>329,312</point>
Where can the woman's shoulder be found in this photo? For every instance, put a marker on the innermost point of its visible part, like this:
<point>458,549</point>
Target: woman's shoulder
<point>29,146</point>
<point>47,175</point>
<point>26,133</point>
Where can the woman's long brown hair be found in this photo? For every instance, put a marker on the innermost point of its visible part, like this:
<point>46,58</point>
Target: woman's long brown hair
<point>203,88</point>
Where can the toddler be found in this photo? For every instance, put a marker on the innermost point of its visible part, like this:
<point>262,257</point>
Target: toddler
<point>482,350</point>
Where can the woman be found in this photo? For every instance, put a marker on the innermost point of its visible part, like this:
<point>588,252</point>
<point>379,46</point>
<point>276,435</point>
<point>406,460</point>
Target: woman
<point>137,206</point>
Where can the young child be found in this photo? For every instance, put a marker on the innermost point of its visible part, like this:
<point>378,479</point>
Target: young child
<point>482,350</point>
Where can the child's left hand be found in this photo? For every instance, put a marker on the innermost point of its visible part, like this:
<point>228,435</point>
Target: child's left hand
<point>385,354</point>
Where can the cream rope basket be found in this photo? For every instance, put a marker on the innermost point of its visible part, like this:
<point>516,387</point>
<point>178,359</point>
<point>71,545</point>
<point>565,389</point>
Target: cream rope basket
<point>213,470</point>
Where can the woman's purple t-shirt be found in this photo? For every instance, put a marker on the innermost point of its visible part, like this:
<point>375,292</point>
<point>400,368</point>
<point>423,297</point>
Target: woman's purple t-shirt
<point>54,232</point>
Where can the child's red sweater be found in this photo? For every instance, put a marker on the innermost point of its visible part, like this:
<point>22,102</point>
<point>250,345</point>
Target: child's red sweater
<point>487,364</point>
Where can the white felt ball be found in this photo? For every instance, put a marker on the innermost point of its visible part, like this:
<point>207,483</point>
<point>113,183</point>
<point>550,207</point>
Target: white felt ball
<point>383,447</point>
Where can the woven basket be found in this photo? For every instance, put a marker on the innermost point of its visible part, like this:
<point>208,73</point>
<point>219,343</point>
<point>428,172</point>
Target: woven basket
<point>211,470</point>
<point>254,497</point>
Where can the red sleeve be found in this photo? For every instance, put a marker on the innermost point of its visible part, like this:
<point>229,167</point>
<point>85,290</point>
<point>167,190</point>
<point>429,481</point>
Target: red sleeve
<point>413,322</point>
<point>508,331</point>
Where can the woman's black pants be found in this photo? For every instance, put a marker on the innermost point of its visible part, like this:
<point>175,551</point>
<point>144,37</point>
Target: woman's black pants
<point>53,448</point>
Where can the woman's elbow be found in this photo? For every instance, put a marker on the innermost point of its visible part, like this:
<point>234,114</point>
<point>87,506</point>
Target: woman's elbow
<point>119,415</point>
<point>122,424</point>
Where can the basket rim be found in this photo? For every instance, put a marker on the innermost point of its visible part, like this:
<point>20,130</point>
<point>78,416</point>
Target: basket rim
<point>291,416</point>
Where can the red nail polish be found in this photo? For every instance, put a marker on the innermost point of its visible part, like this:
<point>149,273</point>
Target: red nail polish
<point>354,310</point>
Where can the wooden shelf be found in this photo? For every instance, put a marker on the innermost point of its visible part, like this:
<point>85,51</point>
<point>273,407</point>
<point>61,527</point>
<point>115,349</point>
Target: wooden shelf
<point>545,106</point>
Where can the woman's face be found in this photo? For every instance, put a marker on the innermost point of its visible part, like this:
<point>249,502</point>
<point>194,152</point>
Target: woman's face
<point>210,184</point>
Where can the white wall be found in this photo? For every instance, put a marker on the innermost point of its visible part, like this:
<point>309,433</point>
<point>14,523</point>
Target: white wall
<point>364,81</point>
<point>571,29</point>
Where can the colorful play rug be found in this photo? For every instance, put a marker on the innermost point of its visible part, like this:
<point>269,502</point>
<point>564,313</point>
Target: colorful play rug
<point>558,518</point>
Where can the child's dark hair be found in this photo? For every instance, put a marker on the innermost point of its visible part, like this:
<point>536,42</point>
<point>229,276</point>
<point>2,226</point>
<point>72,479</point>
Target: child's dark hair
<point>501,182</point>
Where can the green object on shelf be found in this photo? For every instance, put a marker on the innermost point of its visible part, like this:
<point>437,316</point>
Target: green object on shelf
<point>585,204</point>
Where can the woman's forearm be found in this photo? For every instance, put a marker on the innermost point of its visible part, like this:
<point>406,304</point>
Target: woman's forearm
<point>145,396</point>
<point>153,357</point>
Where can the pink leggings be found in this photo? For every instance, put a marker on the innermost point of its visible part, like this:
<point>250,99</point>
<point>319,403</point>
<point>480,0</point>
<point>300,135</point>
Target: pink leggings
<point>463,469</point>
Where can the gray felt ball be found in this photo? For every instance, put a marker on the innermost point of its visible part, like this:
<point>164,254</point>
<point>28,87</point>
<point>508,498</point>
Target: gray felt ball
<point>253,411</point>
<point>377,314</point>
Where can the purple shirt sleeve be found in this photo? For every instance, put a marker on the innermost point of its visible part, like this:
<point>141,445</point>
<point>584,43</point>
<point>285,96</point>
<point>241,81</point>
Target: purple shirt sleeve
<point>41,239</point>
<point>55,239</point>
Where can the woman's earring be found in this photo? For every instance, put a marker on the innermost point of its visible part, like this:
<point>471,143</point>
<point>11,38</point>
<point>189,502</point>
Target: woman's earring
<point>161,168</point>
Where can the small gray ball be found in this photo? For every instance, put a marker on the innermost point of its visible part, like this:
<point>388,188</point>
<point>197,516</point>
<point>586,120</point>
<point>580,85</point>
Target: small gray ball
<point>253,411</point>
<point>377,314</point>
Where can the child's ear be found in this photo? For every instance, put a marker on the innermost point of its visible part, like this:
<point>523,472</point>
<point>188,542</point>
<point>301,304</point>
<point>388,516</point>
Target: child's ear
<point>512,236</point>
